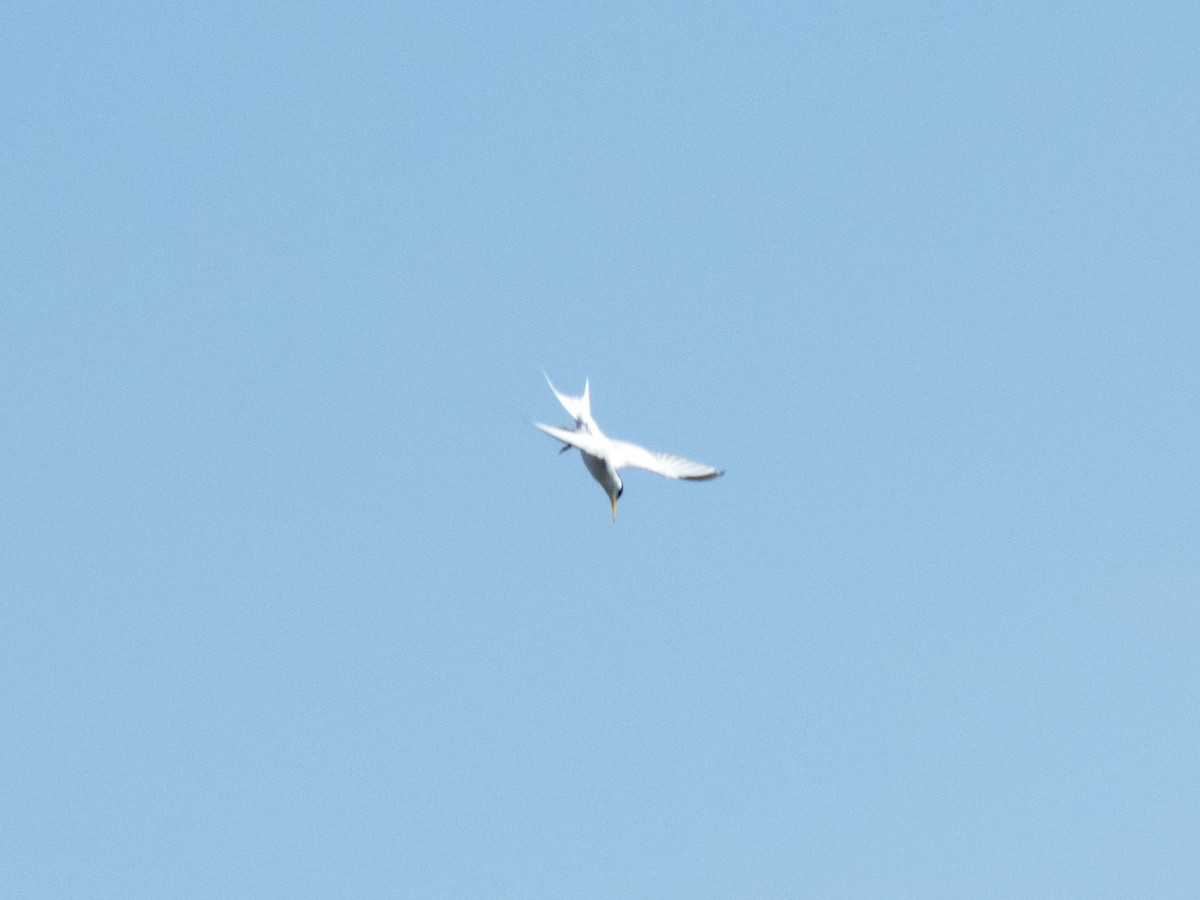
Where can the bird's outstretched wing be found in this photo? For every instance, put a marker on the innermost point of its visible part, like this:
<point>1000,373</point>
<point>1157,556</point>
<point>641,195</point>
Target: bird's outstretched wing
<point>584,440</point>
<point>624,454</point>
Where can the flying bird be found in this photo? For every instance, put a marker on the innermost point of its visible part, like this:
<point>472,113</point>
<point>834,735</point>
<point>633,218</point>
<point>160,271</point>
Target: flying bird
<point>603,455</point>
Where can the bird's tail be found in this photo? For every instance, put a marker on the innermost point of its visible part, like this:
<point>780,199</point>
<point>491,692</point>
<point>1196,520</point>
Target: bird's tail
<point>578,408</point>
<point>585,402</point>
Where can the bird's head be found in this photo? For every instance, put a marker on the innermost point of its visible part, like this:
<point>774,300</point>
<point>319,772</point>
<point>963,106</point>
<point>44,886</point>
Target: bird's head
<point>614,497</point>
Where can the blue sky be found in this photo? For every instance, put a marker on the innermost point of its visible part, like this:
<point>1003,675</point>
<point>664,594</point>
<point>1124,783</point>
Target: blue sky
<point>295,601</point>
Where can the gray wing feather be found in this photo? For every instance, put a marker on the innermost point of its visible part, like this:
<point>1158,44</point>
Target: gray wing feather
<point>665,464</point>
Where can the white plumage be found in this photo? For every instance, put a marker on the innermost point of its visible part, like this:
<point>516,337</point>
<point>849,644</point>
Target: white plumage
<point>603,455</point>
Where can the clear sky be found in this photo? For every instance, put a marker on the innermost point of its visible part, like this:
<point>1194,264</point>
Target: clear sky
<point>295,601</point>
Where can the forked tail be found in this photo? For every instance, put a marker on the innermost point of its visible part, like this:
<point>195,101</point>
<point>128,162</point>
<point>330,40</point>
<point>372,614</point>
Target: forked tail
<point>578,408</point>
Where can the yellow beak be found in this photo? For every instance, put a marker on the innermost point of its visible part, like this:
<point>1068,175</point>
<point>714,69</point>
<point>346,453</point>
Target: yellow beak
<point>614,503</point>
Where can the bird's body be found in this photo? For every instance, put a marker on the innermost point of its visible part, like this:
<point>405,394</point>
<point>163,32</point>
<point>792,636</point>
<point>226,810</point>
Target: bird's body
<point>603,455</point>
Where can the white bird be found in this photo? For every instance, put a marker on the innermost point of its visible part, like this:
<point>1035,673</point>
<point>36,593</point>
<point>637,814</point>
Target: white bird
<point>603,455</point>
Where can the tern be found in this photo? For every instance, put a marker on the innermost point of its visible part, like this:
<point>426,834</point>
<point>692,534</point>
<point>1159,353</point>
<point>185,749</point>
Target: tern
<point>603,455</point>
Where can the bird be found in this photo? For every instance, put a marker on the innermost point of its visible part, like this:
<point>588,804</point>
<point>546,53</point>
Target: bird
<point>604,456</point>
